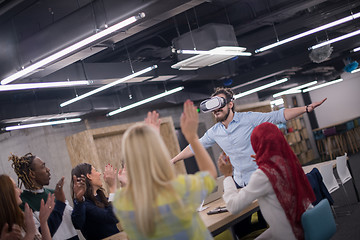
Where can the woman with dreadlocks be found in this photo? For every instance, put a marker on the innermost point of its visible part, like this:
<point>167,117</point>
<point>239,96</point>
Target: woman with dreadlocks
<point>34,175</point>
<point>14,224</point>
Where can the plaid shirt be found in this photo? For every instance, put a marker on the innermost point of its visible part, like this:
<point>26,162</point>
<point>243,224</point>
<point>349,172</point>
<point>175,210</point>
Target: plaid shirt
<point>173,223</point>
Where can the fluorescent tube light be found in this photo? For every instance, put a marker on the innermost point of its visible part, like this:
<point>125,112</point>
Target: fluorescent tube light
<point>315,30</point>
<point>355,71</point>
<point>294,89</point>
<point>209,58</point>
<point>42,124</point>
<point>108,86</point>
<point>14,87</point>
<point>72,48</point>
<point>323,85</point>
<point>260,88</point>
<point>356,49</point>
<point>357,32</point>
<point>166,93</point>
<point>277,102</point>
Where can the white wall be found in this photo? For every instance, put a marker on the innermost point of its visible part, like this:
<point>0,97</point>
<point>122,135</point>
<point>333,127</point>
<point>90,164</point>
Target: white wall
<point>343,101</point>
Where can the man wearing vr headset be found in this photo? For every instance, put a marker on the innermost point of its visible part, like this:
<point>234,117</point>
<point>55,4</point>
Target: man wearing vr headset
<point>233,130</point>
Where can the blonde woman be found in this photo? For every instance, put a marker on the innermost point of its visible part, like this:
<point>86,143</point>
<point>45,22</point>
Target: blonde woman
<point>155,203</point>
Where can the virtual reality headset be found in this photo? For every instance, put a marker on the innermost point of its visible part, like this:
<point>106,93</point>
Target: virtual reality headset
<point>213,103</point>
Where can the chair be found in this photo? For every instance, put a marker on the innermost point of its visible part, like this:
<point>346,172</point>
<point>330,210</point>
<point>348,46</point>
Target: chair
<point>342,169</point>
<point>344,173</point>
<point>331,183</point>
<point>333,143</point>
<point>318,222</point>
<point>329,179</point>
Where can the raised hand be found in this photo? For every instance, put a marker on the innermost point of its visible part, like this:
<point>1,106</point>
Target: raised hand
<point>14,234</point>
<point>30,227</point>
<point>110,177</point>
<point>59,192</point>
<point>189,121</point>
<point>224,165</point>
<point>314,105</point>
<point>122,177</point>
<point>153,120</point>
<point>79,187</point>
<point>46,209</point>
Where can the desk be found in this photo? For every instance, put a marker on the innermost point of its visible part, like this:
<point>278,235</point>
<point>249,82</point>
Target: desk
<point>217,223</point>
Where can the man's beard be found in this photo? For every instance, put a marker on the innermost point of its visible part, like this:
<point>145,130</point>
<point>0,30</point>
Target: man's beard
<point>223,118</point>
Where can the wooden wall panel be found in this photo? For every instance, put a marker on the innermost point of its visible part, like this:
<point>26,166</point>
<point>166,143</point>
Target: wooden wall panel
<point>81,149</point>
<point>103,145</point>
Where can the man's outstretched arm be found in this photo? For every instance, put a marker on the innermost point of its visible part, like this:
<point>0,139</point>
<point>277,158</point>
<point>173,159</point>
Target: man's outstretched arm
<point>185,153</point>
<point>290,113</point>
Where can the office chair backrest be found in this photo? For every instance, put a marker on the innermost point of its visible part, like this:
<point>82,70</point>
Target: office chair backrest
<point>342,169</point>
<point>318,222</point>
<point>329,179</point>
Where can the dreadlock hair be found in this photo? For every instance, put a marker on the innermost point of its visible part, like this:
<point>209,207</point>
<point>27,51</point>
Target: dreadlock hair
<point>227,92</point>
<point>22,168</point>
<point>10,212</point>
<point>84,169</point>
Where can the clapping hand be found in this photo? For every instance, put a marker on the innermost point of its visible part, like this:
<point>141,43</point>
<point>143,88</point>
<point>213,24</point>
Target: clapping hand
<point>79,187</point>
<point>30,227</point>
<point>224,165</point>
<point>14,234</point>
<point>122,176</point>
<point>110,177</point>
<point>153,120</point>
<point>46,208</point>
<point>59,192</point>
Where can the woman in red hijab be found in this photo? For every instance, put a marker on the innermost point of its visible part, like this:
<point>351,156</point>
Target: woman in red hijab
<point>279,184</point>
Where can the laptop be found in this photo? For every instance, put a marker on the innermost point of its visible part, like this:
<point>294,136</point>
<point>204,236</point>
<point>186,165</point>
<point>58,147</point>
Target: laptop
<point>217,192</point>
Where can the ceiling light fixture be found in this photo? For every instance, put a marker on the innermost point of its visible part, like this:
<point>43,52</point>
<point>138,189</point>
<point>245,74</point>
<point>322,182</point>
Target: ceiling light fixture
<point>315,30</point>
<point>208,58</point>
<point>14,87</point>
<point>166,93</point>
<point>294,89</point>
<point>108,86</point>
<point>277,102</point>
<point>72,48</point>
<point>17,127</point>
<point>355,71</point>
<point>226,51</point>
<point>356,49</point>
<point>357,32</point>
<point>323,85</point>
<point>260,88</point>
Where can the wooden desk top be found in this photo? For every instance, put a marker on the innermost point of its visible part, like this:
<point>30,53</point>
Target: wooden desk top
<point>308,168</point>
<point>217,223</point>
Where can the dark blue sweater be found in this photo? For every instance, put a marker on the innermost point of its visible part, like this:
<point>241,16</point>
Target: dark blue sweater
<point>94,222</point>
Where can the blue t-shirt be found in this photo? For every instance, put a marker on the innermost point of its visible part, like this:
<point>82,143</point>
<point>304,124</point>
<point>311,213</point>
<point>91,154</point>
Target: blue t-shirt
<point>235,140</point>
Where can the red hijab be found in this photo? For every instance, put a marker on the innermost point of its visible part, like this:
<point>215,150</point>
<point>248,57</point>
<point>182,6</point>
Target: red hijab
<point>277,160</point>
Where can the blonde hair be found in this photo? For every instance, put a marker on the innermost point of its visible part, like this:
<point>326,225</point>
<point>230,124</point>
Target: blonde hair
<point>149,173</point>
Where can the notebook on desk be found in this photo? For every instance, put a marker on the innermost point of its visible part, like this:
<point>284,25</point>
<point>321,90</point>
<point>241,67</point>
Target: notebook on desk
<point>218,191</point>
